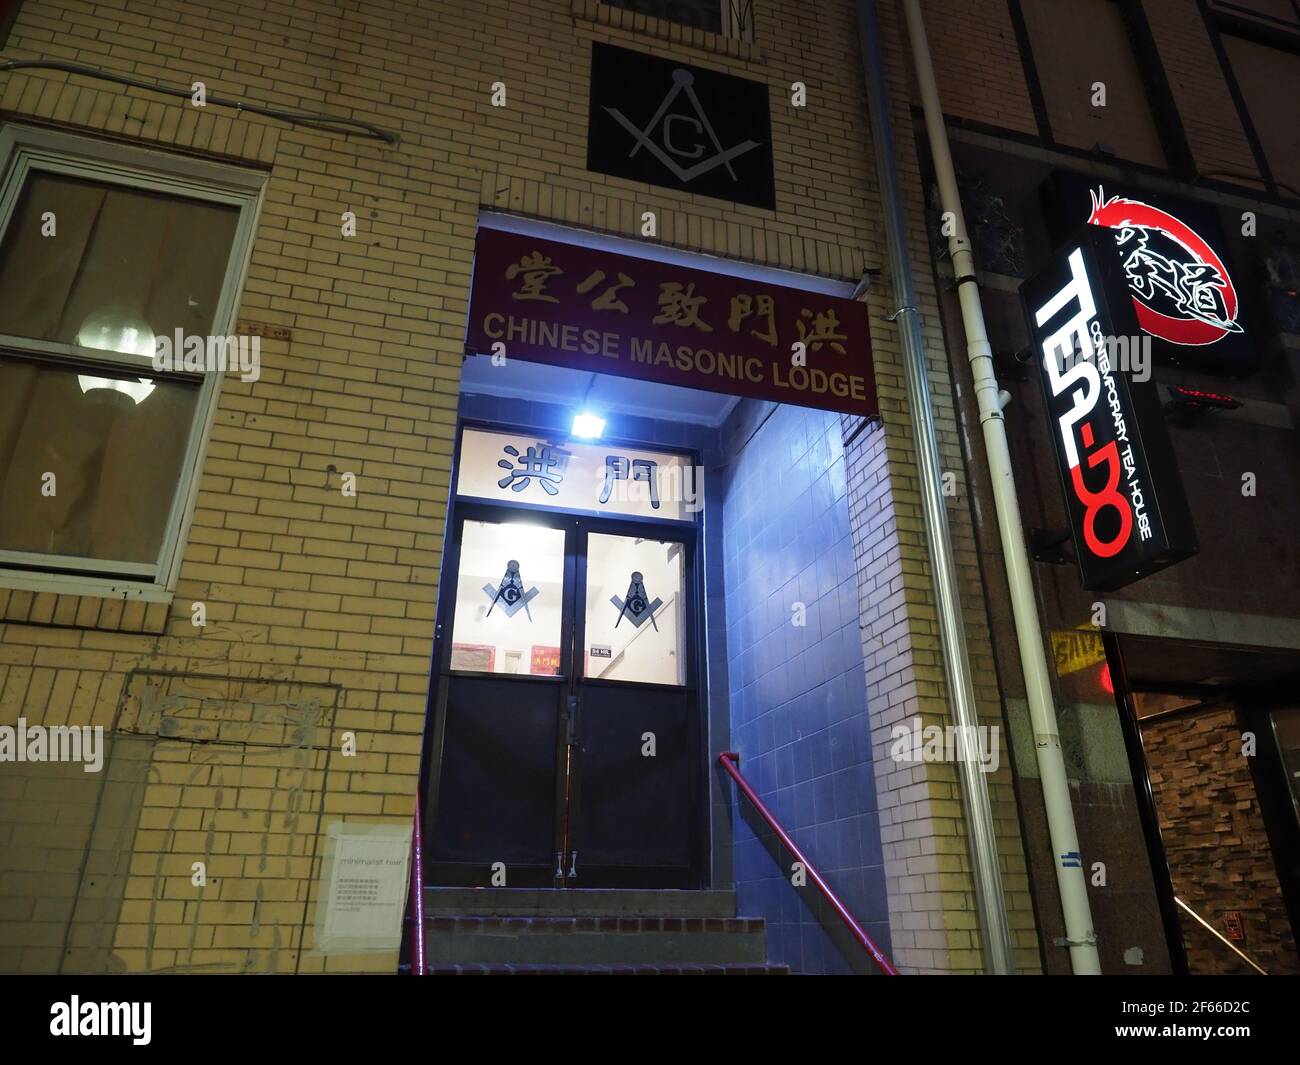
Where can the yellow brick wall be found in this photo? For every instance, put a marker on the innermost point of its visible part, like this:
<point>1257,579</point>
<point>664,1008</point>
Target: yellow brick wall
<point>320,607</point>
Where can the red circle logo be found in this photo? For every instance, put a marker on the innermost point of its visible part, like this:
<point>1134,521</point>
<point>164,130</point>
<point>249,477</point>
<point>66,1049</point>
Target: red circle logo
<point>1181,290</point>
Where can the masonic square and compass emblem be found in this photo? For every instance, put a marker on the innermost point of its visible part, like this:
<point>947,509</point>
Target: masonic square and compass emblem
<point>637,607</point>
<point>510,595</point>
<point>679,126</point>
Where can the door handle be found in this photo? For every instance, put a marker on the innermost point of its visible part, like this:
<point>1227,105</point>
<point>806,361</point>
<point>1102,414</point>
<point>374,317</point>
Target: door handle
<point>573,865</point>
<point>559,865</point>
<point>571,722</point>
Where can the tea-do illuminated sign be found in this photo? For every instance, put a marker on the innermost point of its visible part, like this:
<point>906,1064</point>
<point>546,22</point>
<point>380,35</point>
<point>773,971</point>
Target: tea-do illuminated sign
<point>1123,492</point>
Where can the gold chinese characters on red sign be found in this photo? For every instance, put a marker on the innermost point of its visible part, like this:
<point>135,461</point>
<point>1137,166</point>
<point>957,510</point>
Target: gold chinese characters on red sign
<point>600,311</point>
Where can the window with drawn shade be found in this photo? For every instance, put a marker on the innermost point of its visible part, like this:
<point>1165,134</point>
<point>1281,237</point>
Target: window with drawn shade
<point>111,442</point>
<point>94,442</point>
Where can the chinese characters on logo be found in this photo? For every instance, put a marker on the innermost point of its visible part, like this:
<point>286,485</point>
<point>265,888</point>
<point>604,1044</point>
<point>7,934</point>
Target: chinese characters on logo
<point>1195,288</point>
<point>677,304</point>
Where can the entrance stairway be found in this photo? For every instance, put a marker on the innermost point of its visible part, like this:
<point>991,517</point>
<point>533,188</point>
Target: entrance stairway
<point>514,931</point>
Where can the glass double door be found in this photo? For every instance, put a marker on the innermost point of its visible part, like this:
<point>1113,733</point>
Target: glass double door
<point>566,748</point>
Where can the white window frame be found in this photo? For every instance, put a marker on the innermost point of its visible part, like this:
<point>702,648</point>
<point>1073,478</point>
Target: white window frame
<point>738,19</point>
<point>735,24</point>
<point>26,149</point>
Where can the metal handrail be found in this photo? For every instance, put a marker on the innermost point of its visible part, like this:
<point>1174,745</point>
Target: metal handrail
<point>417,894</point>
<point>729,760</point>
<point>1222,939</point>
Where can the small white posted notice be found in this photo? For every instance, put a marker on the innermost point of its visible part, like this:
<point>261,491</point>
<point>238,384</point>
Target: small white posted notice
<point>363,888</point>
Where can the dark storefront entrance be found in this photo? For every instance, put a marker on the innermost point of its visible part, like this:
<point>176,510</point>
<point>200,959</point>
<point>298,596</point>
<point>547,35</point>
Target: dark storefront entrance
<point>567,745</point>
<point>1214,733</point>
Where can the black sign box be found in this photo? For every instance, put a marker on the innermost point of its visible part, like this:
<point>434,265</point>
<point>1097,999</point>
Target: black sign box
<point>679,126</point>
<point>1123,492</point>
<point>1186,291</point>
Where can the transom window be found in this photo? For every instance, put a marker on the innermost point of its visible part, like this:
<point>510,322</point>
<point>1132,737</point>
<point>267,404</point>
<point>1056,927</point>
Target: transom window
<point>730,18</point>
<point>537,470</point>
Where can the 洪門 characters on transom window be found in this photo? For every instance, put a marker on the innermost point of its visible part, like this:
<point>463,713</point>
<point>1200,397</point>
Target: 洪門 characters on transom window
<point>538,462</point>
<point>621,468</point>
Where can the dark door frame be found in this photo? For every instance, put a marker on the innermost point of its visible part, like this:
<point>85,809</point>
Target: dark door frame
<point>574,522</point>
<point>691,689</point>
<point>1146,804</point>
<point>1251,709</point>
<point>436,707</point>
<point>1280,820</point>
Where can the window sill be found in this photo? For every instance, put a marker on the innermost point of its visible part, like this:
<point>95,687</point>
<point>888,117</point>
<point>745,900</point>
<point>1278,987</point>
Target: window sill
<point>703,40</point>
<point>83,602</point>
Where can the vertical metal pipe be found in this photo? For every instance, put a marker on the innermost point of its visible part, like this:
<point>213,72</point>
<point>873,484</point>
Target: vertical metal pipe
<point>1080,936</point>
<point>994,925</point>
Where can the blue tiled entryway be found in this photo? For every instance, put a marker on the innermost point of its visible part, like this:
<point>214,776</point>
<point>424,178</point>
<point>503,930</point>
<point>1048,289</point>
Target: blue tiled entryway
<point>796,682</point>
<point>790,698</point>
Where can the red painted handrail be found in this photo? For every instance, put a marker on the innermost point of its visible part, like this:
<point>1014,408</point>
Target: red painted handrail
<point>728,760</point>
<point>417,895</point>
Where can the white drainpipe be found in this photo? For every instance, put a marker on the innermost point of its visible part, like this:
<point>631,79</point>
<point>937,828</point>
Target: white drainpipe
<point>990,899</point>
<point>1080,936</point>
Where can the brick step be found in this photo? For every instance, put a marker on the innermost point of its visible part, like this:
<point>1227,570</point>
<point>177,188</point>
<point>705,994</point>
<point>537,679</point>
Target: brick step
<point>585,941</point>
<point>609,970</point>
<point>576,902</point>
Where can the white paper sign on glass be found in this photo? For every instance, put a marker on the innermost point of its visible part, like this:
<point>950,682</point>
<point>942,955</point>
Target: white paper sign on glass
<point>603,478</point>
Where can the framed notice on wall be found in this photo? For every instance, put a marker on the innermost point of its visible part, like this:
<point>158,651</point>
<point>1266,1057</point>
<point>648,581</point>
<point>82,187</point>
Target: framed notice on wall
<point>363,888</point>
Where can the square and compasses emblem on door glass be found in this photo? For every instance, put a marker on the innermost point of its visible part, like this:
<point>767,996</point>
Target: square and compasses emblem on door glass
<point>510,595</point>
<point>637,607</point>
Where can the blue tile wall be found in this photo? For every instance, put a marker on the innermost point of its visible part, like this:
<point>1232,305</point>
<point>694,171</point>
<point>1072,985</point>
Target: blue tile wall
<point>797,692</point>
<point>791,699</point>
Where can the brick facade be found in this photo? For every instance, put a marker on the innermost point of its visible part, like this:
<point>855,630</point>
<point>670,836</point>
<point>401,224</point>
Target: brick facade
<point>1215,457</point>
<point>320,607</point>
<point>226,742</point>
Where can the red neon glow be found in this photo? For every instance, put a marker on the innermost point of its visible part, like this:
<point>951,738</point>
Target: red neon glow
<point>1103,677</point>
<point>1209,397</point>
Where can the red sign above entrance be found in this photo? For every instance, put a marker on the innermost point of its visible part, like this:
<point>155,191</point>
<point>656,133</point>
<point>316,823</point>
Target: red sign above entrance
<point>603,312</point>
